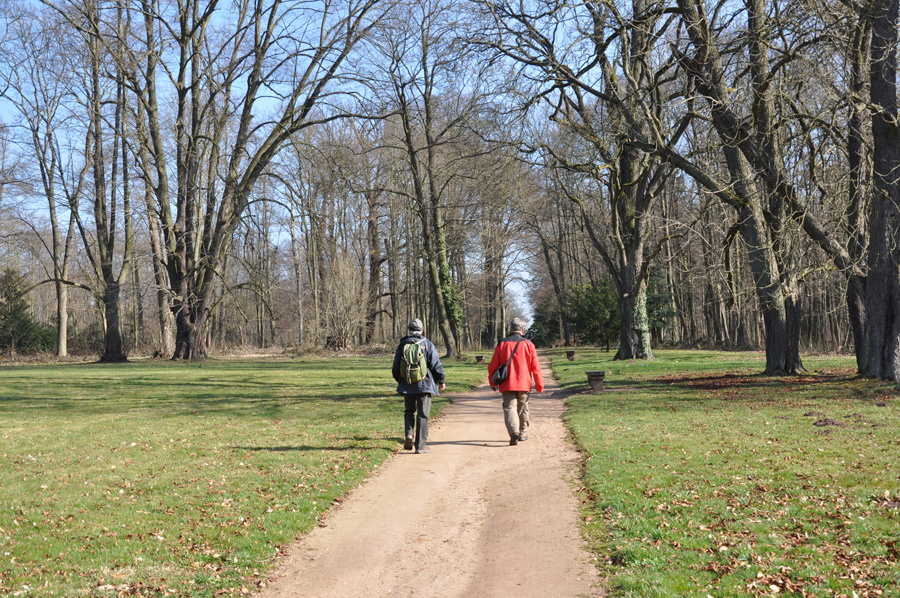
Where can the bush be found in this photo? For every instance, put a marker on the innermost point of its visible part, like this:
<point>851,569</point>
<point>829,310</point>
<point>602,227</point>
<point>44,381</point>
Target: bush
<point>595,313</point>
<point>19,332</point>
<point>661,317</point>
<point>538,335</point>
<point>46,338</point>
<point>545,322</point>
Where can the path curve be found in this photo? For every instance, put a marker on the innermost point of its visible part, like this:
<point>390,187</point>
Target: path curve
<point>474,517</point>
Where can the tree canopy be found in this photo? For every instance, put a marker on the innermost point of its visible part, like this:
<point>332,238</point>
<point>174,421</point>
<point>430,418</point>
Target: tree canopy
<point>215,174</point>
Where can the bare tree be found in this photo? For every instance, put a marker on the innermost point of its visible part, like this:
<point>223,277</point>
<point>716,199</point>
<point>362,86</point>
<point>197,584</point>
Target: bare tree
<point>434,90</point>
<point>579,76</point>
<point>364,168</point>
<point>859,188</point>
<point>110,246</point>
<point>345,311</point>
<point>752,158</point>
<point>36,76</point>
<point>239,94</point>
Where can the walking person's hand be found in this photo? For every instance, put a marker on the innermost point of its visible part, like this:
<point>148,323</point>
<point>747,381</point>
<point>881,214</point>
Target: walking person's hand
<point>443,386</point>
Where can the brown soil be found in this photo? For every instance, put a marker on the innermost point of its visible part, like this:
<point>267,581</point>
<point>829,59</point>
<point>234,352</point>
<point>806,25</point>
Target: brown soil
<point>474,517</point>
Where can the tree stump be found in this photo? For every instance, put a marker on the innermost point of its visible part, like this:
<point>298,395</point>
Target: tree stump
<point>595,379</point>
<point>479,359</point>
<point>570,355</point>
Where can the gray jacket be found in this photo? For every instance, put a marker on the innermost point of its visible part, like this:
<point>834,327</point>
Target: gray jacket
<point>433,379</point>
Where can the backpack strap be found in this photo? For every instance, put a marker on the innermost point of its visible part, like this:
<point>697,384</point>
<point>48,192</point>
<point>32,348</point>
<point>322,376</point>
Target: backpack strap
<point>508,361</point>
<point>418,342</point>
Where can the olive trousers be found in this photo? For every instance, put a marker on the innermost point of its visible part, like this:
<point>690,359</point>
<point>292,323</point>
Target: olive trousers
<point>515,411</point>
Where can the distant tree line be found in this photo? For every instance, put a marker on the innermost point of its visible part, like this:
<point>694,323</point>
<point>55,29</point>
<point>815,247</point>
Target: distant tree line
<point>203,176</point>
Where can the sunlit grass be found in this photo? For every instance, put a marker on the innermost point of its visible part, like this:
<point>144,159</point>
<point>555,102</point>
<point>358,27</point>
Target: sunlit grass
<point>705,478</point>
<point>182,479</point>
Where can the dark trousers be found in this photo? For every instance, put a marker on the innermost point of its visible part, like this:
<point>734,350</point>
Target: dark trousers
<point>418,408</point>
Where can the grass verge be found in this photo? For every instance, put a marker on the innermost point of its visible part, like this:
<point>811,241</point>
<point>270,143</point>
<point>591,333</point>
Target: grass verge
<point>182,479</point>
<point>705,478</point>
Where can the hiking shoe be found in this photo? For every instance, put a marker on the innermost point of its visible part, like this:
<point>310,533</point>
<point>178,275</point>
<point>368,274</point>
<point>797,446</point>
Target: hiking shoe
<point>513,440</point>
<point>409,443</point>
<point>424,450</point>
<point>523,436</point>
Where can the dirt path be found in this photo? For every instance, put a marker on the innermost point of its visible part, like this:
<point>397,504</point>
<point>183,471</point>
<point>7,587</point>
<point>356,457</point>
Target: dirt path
<point>474,517</point>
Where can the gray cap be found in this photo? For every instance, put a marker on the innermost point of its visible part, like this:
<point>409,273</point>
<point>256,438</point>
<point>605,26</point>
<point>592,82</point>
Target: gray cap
<point>415,325</point>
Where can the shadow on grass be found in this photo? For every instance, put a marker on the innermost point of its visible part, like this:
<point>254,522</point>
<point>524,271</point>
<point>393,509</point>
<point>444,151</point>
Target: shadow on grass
<point>230,404</point>
<point>303,448</point>
<point>743,382</point>
<point>693,391</point>
<point>718,382</point>
<point>772,379</point>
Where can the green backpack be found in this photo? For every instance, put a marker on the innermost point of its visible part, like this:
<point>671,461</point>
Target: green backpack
<point>414,368</point>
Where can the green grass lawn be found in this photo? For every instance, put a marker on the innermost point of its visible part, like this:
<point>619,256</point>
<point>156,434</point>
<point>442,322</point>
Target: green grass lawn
<point>705,478</point>
<point>182,479</point>
<point>702,476</point>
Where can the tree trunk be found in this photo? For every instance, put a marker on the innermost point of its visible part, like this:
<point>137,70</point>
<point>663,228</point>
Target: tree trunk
<point>190,338</point>
<point>298,271</point>
<point>768,289</point>
<point>62,319</point>
<point>678,328</point>
<point>557,286</point>
<point>562,228</point>
<point>642,324</point>
<point>793,315</point>
<point>434,277</point>
<point>138,321</point>
<point>105,208</point>
<point>114,350</point>
<point>393,285</point>
<point>429,212</point>
<point>634,331</point>
<point>883,284</point>
<point>709,77</point>
<point>858,144</point>
<point>767,141</point>
<point>492,279</point>
<point>372,297</point>
<point>163,309</point>
<point>856,307</point>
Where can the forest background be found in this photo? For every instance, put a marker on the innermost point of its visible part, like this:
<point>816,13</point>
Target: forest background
<point>184,178</point>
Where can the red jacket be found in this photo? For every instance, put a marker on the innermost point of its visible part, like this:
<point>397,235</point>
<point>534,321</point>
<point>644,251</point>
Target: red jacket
<point>523,366</point>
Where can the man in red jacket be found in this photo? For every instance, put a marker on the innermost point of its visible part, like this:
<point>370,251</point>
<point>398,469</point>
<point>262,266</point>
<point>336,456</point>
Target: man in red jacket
<point>521,355</point>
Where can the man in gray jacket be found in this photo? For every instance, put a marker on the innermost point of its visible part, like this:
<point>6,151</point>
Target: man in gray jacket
<point>417,394</point>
